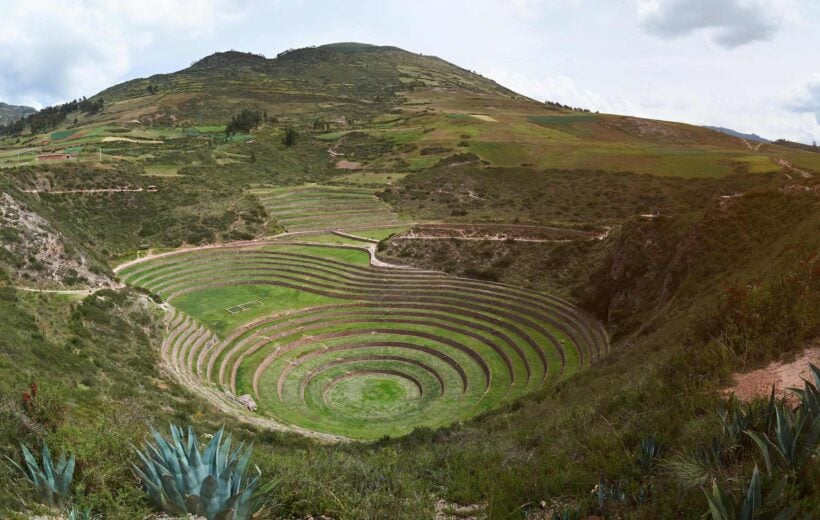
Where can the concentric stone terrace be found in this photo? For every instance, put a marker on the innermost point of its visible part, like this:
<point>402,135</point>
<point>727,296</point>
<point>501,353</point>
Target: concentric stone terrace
<point>328,343</point>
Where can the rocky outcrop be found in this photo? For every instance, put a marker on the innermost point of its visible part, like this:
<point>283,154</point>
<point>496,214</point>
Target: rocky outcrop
<point>40,255</point>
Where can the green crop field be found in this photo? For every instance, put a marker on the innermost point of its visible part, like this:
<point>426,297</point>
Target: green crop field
<point>338,347</point>
<point>312,208</point>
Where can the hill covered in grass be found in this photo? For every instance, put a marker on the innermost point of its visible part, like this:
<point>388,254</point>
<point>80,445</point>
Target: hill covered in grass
<point>384,109</point>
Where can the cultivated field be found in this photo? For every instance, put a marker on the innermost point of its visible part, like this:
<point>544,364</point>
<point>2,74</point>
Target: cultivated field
<point>325,342</point>
<point>316,208</point>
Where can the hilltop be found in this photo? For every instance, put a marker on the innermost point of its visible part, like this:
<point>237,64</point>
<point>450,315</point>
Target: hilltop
<point>353,70</point>
<point>411,111</point>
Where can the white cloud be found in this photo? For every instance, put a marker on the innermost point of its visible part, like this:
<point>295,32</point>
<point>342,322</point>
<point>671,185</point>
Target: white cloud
<point>806,99</point>
<point>761,114</point>
<point>531,8</point>
<point>730,23</point>
<point>558,89</point>
<point>54,50</point>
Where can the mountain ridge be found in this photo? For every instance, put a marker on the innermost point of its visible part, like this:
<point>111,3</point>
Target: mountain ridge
<point>11,113</point>
<point>728,131</point>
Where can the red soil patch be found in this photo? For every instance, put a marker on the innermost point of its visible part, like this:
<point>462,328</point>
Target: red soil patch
<point>758,383</point>
<point>348,165</point>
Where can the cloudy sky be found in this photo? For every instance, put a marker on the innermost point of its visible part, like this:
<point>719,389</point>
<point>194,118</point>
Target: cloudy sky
<point>750,65</point>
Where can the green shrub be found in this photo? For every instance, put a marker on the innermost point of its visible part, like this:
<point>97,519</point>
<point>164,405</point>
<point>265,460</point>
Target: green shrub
<point>290,137</point>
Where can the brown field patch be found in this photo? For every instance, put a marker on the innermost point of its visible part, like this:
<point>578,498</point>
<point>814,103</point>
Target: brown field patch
<point>348,165</point>
<point>783,375</point>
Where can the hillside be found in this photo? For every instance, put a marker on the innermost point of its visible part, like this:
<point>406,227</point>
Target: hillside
<point>417,293</point>
<point>409,112</point>
<point>11,113</point>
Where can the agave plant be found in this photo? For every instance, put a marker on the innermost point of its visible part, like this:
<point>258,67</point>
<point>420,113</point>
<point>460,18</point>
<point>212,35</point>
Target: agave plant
<point>809,395</point>
<point>794,440</point>
<point>734,422</point>
<point>53,481</point>
<point>605,492</point>
<point>722,505</point>
<point>181,480</point>
<point>649,452</point>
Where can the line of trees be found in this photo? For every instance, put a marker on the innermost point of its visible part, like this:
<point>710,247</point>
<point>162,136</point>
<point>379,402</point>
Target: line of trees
<point>52,117</point>
<point>559,105</point>
<point>800,146</point>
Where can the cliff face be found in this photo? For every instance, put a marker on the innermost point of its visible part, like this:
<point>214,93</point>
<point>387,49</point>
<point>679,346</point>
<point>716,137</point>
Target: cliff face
<point>37,253</point>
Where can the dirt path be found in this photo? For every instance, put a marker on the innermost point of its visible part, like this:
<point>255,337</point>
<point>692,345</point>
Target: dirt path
<point>787,165</point>
<point>69,292</point>
<point>481,239</point>
<point>497,234</point>
<point>355,237</point>
<point>77,292</point>
<point>369,248</point>
<point>101,190</point>
<point>781,375</point>
<point>754,148</point>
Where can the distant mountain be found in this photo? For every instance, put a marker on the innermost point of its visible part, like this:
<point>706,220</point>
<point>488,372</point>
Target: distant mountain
<point>11,113</point>
<point>734,133</point>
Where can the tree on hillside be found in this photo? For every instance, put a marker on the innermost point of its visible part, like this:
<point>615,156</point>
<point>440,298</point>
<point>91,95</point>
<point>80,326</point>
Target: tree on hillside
<point>245,121</point>
<point>52,117</point>
<point>321,124</point>
<point>291,135</point>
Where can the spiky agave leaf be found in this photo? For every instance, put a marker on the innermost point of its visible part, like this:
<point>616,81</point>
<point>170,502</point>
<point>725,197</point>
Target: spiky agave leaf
<point>764,445</point>
<point>809,395</point>
<point>787,435</point>
<point>53,483</point>
<point>181,479</point>
<point>753,498</point>
<point>721,504</point>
